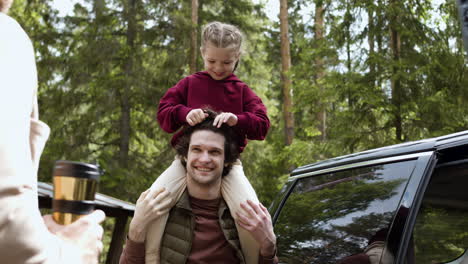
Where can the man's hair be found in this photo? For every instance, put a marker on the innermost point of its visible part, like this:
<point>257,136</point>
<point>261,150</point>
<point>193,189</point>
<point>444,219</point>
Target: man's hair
<point>231,148</point>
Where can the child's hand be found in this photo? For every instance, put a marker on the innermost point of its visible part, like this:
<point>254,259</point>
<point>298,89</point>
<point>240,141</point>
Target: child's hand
<point>229,118</point>
<point>196,116</point>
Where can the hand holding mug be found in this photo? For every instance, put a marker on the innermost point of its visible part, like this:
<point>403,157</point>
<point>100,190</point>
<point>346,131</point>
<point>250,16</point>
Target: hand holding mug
<point>85,233</point>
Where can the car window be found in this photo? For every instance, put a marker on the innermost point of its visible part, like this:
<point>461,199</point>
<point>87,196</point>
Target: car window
<point>441,229</point>
<point>335,216</point>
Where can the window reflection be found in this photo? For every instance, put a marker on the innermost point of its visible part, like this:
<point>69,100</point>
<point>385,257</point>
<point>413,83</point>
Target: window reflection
<point>441,229</point>
<point>330,217</point>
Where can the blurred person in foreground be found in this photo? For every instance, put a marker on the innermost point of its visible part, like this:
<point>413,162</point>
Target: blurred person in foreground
<point>25,236</point>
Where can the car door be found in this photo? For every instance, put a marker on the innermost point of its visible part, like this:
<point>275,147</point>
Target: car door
<point>346,214</point>
<point>439,230</point>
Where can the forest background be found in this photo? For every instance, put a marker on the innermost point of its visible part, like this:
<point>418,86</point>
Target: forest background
<point>337,76</point>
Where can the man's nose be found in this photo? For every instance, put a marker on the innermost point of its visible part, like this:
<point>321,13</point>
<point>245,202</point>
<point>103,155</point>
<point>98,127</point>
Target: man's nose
<point>204,156</point>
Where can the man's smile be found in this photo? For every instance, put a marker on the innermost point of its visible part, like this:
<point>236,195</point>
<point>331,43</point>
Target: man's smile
<point>204,169</point>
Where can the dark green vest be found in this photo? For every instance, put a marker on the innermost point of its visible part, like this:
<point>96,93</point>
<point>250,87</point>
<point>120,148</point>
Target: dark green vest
<point>177,239</point>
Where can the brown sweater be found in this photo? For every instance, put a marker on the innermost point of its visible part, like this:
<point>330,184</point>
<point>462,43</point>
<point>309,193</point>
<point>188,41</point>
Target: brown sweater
<point>209,243</point>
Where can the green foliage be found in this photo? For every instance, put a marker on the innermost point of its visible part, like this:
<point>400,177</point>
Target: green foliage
<point>108,226</point>
<point>104,67</point>
<point>104,53</point>
<point>440,231</point>
<point>357,70</point>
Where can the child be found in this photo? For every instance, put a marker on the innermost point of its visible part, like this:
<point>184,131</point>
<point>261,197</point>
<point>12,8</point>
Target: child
<point>219,89</point>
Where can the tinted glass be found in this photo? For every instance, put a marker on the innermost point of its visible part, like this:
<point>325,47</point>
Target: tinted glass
<point>328,218</point>
<point>441,230</point>
<point>277,201</point>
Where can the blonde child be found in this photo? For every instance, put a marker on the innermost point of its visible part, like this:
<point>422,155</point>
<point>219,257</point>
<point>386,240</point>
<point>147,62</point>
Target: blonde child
<point>219,89</point>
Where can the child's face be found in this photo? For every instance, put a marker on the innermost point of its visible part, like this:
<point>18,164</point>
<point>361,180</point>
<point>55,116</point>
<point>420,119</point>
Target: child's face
<point>219,62</point>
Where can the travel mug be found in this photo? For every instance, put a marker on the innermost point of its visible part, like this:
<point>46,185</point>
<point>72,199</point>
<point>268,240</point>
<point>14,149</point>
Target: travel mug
<point>75,185</point>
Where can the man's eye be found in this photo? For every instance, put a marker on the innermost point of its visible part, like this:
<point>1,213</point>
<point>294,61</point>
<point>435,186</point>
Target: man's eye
<point>195,150</point>
<point>215,152</point>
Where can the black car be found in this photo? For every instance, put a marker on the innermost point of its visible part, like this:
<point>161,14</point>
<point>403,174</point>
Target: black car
<point>406,203</point>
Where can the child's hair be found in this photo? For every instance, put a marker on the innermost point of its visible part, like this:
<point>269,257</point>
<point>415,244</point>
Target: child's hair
<point>221,35</point>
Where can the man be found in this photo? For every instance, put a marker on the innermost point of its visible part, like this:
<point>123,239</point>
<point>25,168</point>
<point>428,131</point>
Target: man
<point>200,228</point>
<point>26,237</point>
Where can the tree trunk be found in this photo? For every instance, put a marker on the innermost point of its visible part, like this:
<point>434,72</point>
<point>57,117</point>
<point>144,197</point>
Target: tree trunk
<point>348,18</point>
<point>127,84</point>
<point>286,81</point>
<point>194,35</point>
<point>371,41</point>
<point>319,26</point>
<point>395,46</point>
<point>99,6</point>
<point>378,38</point>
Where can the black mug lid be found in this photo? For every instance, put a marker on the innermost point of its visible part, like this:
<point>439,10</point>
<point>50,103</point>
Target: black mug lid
<point>77,169</point>
<point>73,207</point>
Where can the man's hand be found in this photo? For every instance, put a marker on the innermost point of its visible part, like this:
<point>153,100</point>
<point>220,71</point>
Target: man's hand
<point>229,118</point>
<point>152,204</point>
<point>195,116</point>
<point>85,233</point>
<point>257,221</point>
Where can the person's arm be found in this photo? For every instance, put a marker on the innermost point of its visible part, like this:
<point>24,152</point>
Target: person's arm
<point>253,121</point>
<point>151,204</point>
<point>133,253</point>
<point>256,219</point>
<point>172,110</point>
<point>24,237</point>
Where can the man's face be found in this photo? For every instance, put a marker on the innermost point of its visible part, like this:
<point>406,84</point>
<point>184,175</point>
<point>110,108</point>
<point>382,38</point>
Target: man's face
<point>205,157</point>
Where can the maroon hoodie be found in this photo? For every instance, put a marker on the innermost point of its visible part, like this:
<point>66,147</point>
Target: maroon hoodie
<point>199,90</point>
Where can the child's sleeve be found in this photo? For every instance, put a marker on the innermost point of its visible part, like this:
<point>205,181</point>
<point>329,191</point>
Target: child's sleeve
<point>253,121</point>
<point>172,109</point>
